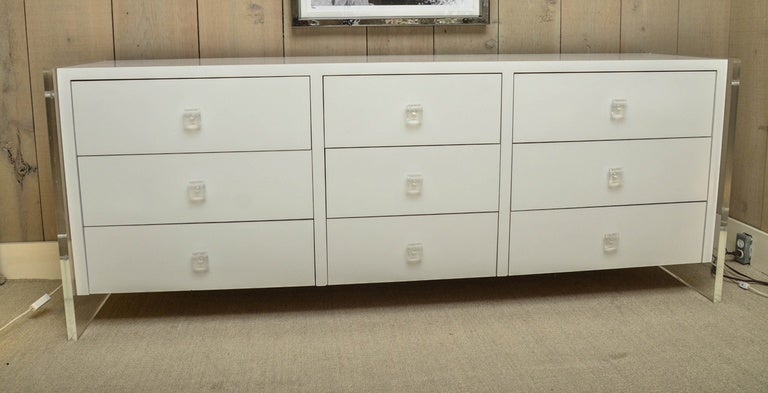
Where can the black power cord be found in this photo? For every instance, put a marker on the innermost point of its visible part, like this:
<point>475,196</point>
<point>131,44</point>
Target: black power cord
<point>742,276</point>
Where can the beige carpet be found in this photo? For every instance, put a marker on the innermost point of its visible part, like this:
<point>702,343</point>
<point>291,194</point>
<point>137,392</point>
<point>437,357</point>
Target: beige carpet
<point>636,330</point>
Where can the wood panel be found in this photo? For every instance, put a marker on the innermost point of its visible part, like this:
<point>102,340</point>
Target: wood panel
<point>240,28</point>
<point>529,26</point>
<point>757,70</point>
<point>649,26</point>
<point>331,41</point>
<point>591,26</point>
<point>469,39</point>
<point>65,32</point>
<point>61,33</point>
<point>748,43</point>
<point>703,27</point>
<point>19,184</point>
<point>400,40</point>
<point>149,29</point>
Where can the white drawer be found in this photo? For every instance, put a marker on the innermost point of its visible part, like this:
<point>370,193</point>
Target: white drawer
<point>578,106</point>
<point>165,257</point>
<point>236,114</point>
<point>581,174</point>
<point>385,181</point>
<point>158,189</point>
<point>362,250</point>
<point>549,241</point>
<point>372,110</point>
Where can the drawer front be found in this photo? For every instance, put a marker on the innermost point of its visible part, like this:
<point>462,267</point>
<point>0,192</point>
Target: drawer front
<point>598,106</point>
<point>184,188</point>
<point>148,116</point>
<point>549,241</point>
<point>412,180</point>
<point>399,110</point>
<point>362,250</point>
<point>200,256</point>
<point>558,175</point>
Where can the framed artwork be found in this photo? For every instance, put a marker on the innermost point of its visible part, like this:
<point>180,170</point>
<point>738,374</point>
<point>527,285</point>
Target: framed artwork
<point>389,12</point>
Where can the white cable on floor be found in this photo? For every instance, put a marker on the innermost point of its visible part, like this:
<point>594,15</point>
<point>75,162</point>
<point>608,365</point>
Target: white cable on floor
<point>761,293</point>
<point>55,290</point>
<point>16,319</point>
<point>33,307</point>
<point>748,287</point>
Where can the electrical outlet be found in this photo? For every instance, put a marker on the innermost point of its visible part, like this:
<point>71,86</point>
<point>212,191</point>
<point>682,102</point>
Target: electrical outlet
<point>743,248</point>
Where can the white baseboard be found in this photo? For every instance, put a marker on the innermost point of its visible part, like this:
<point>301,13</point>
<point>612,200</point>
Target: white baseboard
<point>30,260</point>
<point>40,260</point>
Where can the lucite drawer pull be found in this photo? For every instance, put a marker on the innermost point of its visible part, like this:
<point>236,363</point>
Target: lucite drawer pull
<point>414,253</point>
<point>610,242</point>
<point>414,184</point>
<point>199,262</point>
<point>196,191</point>
<point>192,120</point>
<point>414,115</point>
<point>618,109</point>
<point>615,177</point>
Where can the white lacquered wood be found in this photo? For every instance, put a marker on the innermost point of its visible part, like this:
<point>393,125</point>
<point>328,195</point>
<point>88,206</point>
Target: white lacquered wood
<point>575,174</point>
<point>577,106</point>
<point>720,128</point>
<point>241,255</point>
<point>152,189</point>
<point>387,64</point>
<point>237,114</point>
<point>373,181</point>
<point>370,110</point>
<point>362,250</point>
<point>396,68</point>
<point>548,241</point>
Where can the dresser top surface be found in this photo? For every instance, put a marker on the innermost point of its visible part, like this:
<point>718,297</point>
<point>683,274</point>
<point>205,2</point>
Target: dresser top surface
<point>372,65</point>
<point>307,60</point>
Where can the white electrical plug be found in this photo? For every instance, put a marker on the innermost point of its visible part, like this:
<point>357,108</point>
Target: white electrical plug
<point>40,302</point>
<point>744,285</point>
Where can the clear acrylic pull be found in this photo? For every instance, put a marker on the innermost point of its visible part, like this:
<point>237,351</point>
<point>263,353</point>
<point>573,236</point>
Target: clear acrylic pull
<point>414,115</point>
<point>196,191</point>
<point>615,177</point>
<point>199,262</point>
<point>414,184</point>
<point>192,120</point>
<point>611,242</point>
<point>618,109</point>
<point>414,253</point>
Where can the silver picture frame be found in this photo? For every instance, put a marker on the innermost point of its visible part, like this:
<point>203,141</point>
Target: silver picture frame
<point>340,13</point>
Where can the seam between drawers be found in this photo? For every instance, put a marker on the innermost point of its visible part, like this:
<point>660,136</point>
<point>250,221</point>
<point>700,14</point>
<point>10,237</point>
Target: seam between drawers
<point>609,206</point>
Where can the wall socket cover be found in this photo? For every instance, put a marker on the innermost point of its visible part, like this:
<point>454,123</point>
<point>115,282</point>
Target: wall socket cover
<point>744,248</point>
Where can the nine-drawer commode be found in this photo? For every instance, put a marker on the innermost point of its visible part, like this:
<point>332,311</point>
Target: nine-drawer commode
<point>274,172</point>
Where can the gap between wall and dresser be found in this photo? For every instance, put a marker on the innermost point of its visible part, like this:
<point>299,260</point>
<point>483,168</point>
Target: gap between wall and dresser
<point>40,260</point>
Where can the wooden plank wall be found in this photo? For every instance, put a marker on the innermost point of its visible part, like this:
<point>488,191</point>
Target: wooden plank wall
<point>65,32</point>
<point>59,34</point>
<point>20,213</point>
<point>749,42</point>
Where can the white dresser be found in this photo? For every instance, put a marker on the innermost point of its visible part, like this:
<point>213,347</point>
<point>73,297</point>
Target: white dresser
<point>272,172</point>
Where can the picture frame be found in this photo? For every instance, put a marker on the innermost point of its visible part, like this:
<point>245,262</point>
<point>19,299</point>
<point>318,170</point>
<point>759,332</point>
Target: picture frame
<point>330,13</point>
